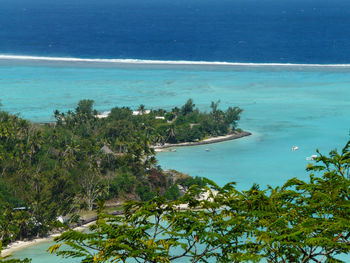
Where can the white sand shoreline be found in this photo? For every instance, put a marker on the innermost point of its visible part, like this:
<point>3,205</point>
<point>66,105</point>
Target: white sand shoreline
<point>18,245</point>
<point>233,136</point>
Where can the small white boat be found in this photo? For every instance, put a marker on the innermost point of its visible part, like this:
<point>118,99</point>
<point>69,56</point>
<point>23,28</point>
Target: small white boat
<point>207,150</point>
<point>173,150</point>
<point>295,148</point>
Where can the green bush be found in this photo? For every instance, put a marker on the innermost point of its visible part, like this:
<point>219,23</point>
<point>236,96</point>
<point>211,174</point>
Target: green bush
<point>172,193</point>
<point>144,192</point>
<point>125,183</point>
<point>187,182</point>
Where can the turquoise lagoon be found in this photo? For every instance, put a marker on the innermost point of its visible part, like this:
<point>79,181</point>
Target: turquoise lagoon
<point>283,106</point>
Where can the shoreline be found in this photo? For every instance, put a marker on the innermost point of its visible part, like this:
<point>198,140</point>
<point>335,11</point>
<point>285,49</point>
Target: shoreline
<point>20,244</point>
<point>229,137</point>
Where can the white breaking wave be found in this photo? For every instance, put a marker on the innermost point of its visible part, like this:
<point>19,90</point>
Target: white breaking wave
<point>165,62</point>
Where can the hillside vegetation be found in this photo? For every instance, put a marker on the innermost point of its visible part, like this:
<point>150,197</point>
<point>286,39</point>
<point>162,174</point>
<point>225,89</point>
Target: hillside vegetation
<point>62,168</point>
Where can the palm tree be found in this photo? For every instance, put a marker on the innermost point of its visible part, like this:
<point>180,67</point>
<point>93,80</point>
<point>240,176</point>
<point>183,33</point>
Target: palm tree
<point>171,132</point>
<point>161,139</point>
<point>141,109</point>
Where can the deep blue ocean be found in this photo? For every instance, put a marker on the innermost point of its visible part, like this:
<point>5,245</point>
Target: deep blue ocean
<point>283,31</point>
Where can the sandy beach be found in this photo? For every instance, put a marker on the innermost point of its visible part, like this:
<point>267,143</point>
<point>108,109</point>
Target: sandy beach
<point>233,136</point>
<point>18,245</point>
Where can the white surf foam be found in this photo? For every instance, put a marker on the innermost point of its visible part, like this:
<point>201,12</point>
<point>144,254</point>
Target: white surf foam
<point>165,62</point>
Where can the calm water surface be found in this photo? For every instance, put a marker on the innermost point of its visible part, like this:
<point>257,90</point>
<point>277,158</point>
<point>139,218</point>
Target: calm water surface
<point>283,107</point>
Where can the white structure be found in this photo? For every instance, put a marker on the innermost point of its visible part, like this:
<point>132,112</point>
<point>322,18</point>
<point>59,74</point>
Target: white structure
<point>160,118</point>
<point>60,218</point>
<point>103,114</point>
<point>136,112</point>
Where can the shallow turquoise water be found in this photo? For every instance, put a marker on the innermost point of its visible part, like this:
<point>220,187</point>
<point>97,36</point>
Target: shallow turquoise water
<point>303,106</point>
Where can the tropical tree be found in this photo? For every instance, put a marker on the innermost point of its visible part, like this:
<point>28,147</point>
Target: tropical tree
<point>141,109</point>
<point>232,116</point>
<point>171,133</point>
<point>298,222</point>
<point>50,170</point>
<point>188,107</point>
<point>160,231</point>
<point>306,221</point>
<point>85,107</point>
<point>92,187</point>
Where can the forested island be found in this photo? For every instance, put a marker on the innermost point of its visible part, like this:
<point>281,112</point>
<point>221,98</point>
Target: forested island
<point>57,170</point>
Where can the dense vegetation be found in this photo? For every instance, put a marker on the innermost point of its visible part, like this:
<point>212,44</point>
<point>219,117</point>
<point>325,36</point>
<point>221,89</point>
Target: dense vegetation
<point>297,222</point>
<point>78,161</point>
<point>58,169</point>
<point>188,124</point>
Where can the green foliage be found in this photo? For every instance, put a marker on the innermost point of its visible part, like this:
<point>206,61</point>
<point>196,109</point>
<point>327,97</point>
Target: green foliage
<point>145,192</point>
<point>189,181</point>
<point>158,231</point>
<point>125,183</point>
<point>85,107</point>
<point>172,193</point>
<point>232,116</point>
<point>8,259</point>
<point>57,169</point>
<point>188,107</point>
<point>120,114</point>
<point>51,170</point>
<point>298,222</point>
<point>189,124</point>
<point>306,221</point>
<point>7,197</point>
<point>113,189</point>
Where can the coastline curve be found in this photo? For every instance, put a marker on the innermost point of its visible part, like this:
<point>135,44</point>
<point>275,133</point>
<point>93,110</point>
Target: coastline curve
<point>229,137</point>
